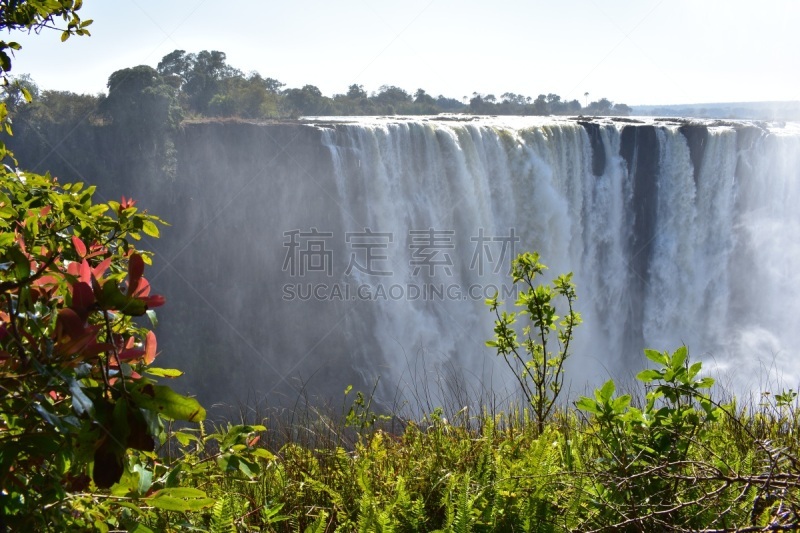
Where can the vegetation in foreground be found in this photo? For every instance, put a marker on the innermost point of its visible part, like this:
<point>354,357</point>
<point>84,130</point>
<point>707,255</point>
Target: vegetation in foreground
<point>88,441</point>
<point>89,437</point>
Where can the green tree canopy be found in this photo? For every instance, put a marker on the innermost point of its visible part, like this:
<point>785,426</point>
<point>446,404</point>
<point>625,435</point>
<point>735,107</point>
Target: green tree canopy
<point>140,100</point>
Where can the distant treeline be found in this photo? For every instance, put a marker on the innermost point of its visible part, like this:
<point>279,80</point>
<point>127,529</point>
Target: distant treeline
<point>187,85</point>
<point>774,111</point>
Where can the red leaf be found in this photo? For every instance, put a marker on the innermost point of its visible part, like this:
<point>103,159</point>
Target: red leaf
<point>100,269</point>
<point>74,269</point>
<point>85,272</point>
<point>135,271</point>
<point>142,289</point>
<point>154,301</point>
<point>126,203</point>
<point>79,246</point>
<point>69,324</point>
<point>46,281</point>
<point>150,346</point>
<point>82,299</point>
<point>74,338</point>
<point>128,355</point>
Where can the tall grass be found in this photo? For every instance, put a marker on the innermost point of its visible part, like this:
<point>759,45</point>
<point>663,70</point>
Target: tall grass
<point>486,466</point>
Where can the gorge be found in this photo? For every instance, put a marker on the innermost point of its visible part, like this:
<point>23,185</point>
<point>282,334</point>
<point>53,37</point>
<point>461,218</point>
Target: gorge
<point>319,253</point>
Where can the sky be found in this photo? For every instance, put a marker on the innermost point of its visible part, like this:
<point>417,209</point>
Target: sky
<point>636,52</point>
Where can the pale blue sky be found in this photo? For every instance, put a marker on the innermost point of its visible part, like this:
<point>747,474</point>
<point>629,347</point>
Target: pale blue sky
<point>631,51</point>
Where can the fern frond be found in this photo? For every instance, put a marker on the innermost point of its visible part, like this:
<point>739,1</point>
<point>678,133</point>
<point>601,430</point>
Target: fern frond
<point>222,520</point>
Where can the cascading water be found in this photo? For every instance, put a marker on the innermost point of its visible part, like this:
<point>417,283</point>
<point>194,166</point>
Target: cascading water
<point>341,250</point>
<point>676,232</point>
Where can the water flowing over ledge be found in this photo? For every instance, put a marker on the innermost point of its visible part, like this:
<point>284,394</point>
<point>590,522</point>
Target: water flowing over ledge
<point>342,249</point>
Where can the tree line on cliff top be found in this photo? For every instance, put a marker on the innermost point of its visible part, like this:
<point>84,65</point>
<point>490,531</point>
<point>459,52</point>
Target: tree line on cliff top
<point>198,85</point>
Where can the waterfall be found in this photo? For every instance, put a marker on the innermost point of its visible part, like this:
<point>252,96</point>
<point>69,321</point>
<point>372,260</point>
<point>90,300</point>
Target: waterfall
<point>344,250</point>
<point>676,233</point>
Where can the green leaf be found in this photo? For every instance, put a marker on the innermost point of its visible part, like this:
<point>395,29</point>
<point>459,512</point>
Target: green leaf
<point>167,403</point>
<point>22,265</point>
<point>621,403</point>
<point>80,402</point>
<point>229,462</point>
<point>174,477</point>
<point>150,229</point>
<point>145,478</point>
<point>605,393</point>
<point>164,372</point>
<point>114,299</point>
<point>264,454</point>
<point>587,404</point>
<point>180,499</point>
<point>705,383</point>
<point>646,376</point>
<point>656,356</point>
<point>679,357</point>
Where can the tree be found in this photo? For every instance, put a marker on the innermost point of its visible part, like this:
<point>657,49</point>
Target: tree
<point>478,104</point>
<point>515,99</point>
<point>424,104</point>
<point>64,107</point>
<point>274,86</point>
<point>202,75</point>
<point>144,115</point>
<point>140,101</point>
<point>75,400</point>
<point>448,104</point>
<point>19,91</point>
<point>175,67</point>
<point>622,110</point>
<point>600,107</point>
<point>421,97</point>
<point>389,94</point>
<point>247,98</point>
<point>307,101</point>
<point>537,364</point>
<point>573,106</point>
<point>356,91</point>
<point>555,105</point>
<point>540,105</point>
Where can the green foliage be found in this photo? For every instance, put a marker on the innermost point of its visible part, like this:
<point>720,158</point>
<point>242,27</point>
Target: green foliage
<point>673,464</point>
<point>222,516</point>
<point>203,84</point>
<point>75,401</point>
<point>89,439</point>
<point>538,367</point>
<point>140,101</point>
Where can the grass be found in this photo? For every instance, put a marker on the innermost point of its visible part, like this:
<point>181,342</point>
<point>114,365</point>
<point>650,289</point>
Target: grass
<point>491,470</point>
